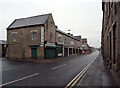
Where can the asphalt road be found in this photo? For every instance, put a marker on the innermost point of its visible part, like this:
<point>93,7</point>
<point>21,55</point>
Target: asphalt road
<point>56,73</point>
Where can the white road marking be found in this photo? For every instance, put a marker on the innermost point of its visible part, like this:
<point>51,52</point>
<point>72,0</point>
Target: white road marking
<point>19,79</point>
<point>73,61</point>
<point>58,66</point>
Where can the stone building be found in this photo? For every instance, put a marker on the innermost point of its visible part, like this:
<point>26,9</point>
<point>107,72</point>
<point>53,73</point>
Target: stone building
<point>38,37</point>
<point>79,43</point>
<point>3,48</point>
<point>67,44</point>
<point>111,34</point>
<point>32,37</point>
<point>62,41</point>
<point>85,48</point>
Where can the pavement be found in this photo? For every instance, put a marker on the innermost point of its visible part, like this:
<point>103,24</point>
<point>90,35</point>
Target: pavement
<point>98,75</point>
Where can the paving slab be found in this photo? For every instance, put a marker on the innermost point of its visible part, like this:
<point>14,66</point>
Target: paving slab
<point>98,75</point>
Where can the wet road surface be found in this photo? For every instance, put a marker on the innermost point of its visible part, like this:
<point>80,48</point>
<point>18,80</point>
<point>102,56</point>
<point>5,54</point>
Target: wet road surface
<point>56,73</point>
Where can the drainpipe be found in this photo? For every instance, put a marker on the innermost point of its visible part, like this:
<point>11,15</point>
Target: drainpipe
<point>63,51</point>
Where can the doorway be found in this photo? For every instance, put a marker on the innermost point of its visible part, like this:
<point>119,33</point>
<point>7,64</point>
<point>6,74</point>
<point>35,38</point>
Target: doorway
<point>34,52</point>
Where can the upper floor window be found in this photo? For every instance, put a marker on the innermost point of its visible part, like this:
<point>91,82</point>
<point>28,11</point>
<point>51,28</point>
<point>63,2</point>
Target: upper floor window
<point>59,39</point>
<point>65,39</point>
<point>51,24</point>
<point>20,37</point>
<point>14,36</point>
<point>72,42</point>
<point>51,37</point>
<point>115,11</point>
<point>34,35</point>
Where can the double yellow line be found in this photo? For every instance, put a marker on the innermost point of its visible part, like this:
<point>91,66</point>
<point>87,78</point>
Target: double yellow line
<point>74,81</point>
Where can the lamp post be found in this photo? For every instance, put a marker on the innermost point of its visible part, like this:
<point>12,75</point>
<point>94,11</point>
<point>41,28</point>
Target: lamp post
<point>67,30</point>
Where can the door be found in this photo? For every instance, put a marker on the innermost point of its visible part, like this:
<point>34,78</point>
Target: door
<point>50,53</point>
<point>65,51</point>
<point>59,50</point>
<point>34,52</point>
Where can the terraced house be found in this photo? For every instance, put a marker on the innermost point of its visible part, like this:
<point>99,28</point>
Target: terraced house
<point>85,49</point>
<point>111,34</point>
<point>38,37</point>
<point>67,44</point>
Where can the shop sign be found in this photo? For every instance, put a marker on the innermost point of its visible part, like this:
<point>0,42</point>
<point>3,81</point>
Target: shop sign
<point>42,34</point>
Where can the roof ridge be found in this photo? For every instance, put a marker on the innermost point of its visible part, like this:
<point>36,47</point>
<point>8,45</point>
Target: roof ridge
<point>28,21</point>
<point>65,33</point>
<point>33,16</point>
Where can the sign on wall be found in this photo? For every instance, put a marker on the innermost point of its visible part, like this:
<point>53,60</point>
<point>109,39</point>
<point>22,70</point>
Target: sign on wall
<point>42,34</point>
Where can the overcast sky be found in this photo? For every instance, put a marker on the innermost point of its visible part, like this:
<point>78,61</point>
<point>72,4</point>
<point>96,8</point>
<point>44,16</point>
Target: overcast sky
<point>82,17</point>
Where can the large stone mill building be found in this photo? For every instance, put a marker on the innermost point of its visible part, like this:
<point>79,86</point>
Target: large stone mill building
<point>111,34</point>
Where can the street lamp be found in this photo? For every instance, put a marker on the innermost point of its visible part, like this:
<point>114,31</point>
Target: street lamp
<point>67,30</point>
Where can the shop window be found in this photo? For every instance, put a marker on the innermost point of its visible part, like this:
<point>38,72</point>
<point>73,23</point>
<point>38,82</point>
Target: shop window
<point>59,49</point>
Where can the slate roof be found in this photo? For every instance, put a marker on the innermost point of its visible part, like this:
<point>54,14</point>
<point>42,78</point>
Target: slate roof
<point>66,34</point>
<point>29,21</point>
<point>78,37</point>
<point>84,40</point>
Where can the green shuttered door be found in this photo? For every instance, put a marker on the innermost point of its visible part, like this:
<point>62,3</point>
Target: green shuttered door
<point>50,53</point>
<point>34,52</point>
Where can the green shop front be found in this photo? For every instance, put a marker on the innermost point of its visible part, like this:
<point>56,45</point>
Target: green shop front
<point>50,52</point>
<point>34,51</point>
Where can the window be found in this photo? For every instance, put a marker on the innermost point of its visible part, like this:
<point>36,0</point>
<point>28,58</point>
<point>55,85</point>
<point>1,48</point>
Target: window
<point>50,37</point>
<point>14,37</point>
<point>34,35</point>
<point>59,38</point>
<point>65,39</point>
<point>114,43</point>
<point>115,11</point>
<point>105,8</point>
<point>47,26</point>
<point>51,24</point>
<point>111,4</point>
<point>59,49</point>
<point>20,36</point>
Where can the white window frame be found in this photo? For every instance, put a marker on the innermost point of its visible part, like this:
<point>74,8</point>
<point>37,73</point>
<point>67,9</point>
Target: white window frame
<point>34,36</point>
<point>14,36</point>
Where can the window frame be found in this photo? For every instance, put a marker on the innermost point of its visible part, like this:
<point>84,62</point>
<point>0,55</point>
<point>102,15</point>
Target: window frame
<point>51,35</point>
<point>14,36</point>
<point>34,36</point>
<point>65,39</point>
